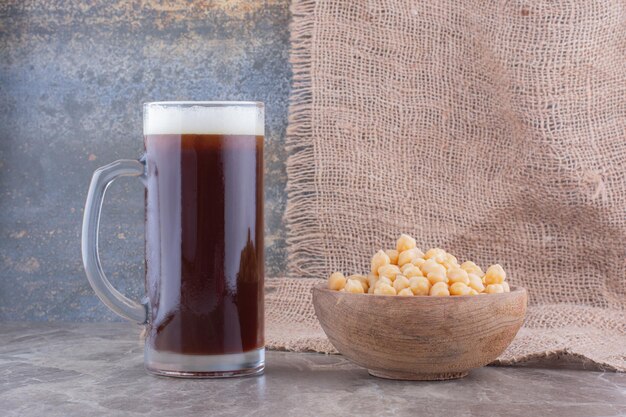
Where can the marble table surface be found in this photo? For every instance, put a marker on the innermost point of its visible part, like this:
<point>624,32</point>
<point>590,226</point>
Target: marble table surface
<point>96,370</point>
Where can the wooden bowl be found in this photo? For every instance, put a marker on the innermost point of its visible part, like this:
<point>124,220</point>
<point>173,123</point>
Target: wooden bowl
<point>420,338</point>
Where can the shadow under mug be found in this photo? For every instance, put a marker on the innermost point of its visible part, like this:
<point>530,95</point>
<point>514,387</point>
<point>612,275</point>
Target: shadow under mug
<point>203,173</point>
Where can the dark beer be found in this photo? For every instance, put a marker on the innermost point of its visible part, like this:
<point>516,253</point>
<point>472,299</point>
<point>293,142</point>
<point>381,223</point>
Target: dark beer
<point>204,243</point>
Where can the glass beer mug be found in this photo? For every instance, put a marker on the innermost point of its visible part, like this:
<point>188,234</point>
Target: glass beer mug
<point>203,173</point>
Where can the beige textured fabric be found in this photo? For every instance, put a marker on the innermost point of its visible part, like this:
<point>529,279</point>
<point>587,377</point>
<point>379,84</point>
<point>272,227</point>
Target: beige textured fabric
<point>495,130</point>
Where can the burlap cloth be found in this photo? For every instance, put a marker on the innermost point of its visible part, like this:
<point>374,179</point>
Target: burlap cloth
<point>495,130</point>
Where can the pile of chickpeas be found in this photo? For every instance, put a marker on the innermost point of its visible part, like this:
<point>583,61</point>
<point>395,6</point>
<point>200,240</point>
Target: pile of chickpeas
<point>407,271</point>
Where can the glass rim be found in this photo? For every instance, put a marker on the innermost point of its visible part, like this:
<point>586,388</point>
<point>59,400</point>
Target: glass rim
<point>185,103</point>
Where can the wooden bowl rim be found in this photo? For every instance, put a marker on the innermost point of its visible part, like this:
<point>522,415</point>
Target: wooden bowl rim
<point>515,289</point>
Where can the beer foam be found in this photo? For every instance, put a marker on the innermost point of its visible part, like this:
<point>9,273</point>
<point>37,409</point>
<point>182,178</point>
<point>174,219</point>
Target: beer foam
<point>227,118</point>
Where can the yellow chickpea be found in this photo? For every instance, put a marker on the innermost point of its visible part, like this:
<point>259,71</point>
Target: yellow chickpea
<point>379,259</point>
<point>336,281</point>
<point>437,275</point>
<point>494,289</point>
<point>354,286</point>
<point>458,275</point>
<point>405,242</point>
<point>505,286</point>
<point>449,265</point>
<point>406,292</point>
<point>437,254</point>
<point>385,289</point>
<point>371,280</point>
<point>451,259</point>
<point>407,256</point>
<point>473,292</point>
<point>393,256</point>
<point>476,282</point>
<point>419,285</point>
<point>495,275</point>
<point>413,272</point>
<point>471,268</point>
<point>383,280</point>
<point>400,283</point>
<point>459,288</point>
<point>389,271</point>
<point>362,279</point>
<point>418,262</point>
<point>406,267</point>
<point>439,289</point>
<point>429,266</point>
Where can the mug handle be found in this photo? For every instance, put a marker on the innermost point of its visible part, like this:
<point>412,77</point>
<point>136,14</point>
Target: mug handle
<point>102,178</point>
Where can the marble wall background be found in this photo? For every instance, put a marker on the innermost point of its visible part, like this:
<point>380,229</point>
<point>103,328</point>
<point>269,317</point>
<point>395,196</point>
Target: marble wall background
<point>73,76</point>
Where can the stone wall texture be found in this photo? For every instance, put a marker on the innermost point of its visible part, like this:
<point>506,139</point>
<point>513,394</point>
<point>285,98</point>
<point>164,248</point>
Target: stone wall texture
<point>73,77</point>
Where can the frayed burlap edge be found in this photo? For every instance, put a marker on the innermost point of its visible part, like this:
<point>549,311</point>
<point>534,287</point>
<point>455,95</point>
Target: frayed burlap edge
<point>301,212</point>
